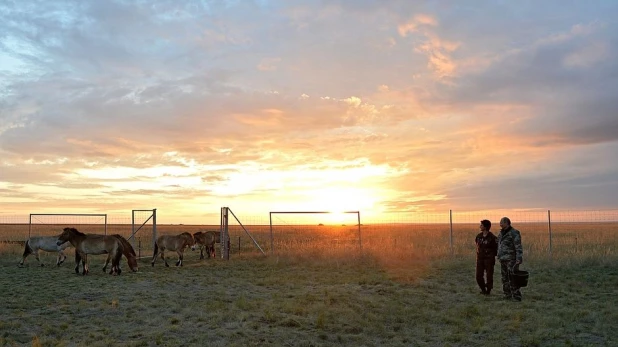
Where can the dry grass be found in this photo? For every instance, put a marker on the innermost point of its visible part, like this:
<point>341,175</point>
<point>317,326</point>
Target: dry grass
<point>401,290</point>
<point>427,240</point>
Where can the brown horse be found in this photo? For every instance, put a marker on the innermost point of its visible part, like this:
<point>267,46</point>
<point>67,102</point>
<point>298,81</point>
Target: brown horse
<point>93,244</point>
<point>128,252</point>
<point>206,240</point>
<point>176,243</point>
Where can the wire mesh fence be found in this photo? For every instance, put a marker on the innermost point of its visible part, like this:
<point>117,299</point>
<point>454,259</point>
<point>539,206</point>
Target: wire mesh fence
<point>566,232</point>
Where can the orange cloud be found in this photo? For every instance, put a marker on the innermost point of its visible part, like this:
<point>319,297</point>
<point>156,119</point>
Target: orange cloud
<point>415,23</point>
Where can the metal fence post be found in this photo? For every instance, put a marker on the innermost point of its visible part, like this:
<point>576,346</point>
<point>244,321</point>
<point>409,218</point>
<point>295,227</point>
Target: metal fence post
<point>360,239</point>
<point>450,214</point>
<point>272,240</point>
<point>154,227</point>
<point>549,229</point>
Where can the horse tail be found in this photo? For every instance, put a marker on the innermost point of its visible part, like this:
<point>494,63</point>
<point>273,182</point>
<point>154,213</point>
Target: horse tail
<point>27,248</point>
<point>117,256</point>
<point>156,249</point>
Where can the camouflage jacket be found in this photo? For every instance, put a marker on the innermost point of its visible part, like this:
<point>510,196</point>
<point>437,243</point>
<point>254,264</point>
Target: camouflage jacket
<point>509,245</point>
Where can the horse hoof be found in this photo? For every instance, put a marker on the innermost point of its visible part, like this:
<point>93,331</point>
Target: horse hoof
<point>167,265</point>
<point>42,265</point>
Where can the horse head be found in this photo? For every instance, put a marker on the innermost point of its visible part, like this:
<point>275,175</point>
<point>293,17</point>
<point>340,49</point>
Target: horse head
<point>189,241</point>
<point>132,261</point>
<point>197,238</point>
<point>67,234</point>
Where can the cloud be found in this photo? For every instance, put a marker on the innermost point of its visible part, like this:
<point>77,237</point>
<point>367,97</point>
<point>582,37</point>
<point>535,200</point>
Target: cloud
<point>268,64</point>
<point>418,21</point>
<point>239,102</point>
<point>438,51</point>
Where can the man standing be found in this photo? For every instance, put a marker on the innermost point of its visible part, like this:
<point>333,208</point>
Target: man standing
<point>486,250</point>
<point>510,254</point>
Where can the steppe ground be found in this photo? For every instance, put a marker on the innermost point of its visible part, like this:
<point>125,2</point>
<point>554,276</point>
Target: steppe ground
<point>313,295</point>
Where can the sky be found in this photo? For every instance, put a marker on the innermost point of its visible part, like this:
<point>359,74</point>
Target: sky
<point>368,105</point>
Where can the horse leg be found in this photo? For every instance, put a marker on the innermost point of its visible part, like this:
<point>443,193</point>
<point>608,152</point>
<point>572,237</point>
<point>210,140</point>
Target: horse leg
<point>165,260</point>
<point>78,259</point>
<point>179,262</point>
<point>61,258</point>
<point>36,255</point>
<point>154,257</point>
<point>109,257</point>
<point>201,252</point>
<point>85,265</point>
<point>116,261</point>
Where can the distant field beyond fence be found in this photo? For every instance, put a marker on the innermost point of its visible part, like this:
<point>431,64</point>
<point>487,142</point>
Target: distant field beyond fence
<point>558,233</point>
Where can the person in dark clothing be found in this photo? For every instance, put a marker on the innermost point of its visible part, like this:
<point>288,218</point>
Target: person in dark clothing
<point>486,251</point>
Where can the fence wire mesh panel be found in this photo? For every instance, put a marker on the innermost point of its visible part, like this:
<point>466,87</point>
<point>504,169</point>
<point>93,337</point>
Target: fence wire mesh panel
<point>533,226</point>
<point>242,227</point>
<point>584,232</point>
<point>314,232</point>
<point>41,224</point>
<point>143,231</point>
<point>556,233</point>
<point>14,228</point>
<point>407,233</point>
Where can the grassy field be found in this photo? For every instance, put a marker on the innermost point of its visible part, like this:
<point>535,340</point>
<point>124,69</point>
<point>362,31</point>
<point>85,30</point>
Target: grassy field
<point>422,239</point>
<point>317,292</point>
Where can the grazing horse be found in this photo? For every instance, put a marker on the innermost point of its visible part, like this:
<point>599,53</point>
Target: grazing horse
<point>46,243</point>
<point>93,244</point>
<point>206,240</point>
<point>128,252</point>
<point>176,243</point>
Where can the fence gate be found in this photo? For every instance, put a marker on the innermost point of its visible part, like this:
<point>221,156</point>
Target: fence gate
<point>142,220</point>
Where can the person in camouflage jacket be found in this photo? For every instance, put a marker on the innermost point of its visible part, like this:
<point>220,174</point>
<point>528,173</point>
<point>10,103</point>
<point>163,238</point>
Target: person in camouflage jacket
<point>510,255</point>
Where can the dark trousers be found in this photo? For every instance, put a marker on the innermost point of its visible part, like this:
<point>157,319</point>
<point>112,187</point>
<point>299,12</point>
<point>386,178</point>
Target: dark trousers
<point>485,267</point>
<point>510,290</point>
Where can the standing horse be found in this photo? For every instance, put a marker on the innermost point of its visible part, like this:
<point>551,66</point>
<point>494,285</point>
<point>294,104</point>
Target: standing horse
<point>45,243</point>
<point>128,252</point>
<point>206,240</point>
<point>176,243</point>
<point>93,244</point>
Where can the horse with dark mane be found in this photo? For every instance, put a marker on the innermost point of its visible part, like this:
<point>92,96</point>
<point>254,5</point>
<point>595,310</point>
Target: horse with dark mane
<point>128,252</point>
<point>93,244</point>
<point>206,240</point>
<point>45,243</point>
<point>176,243</point>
